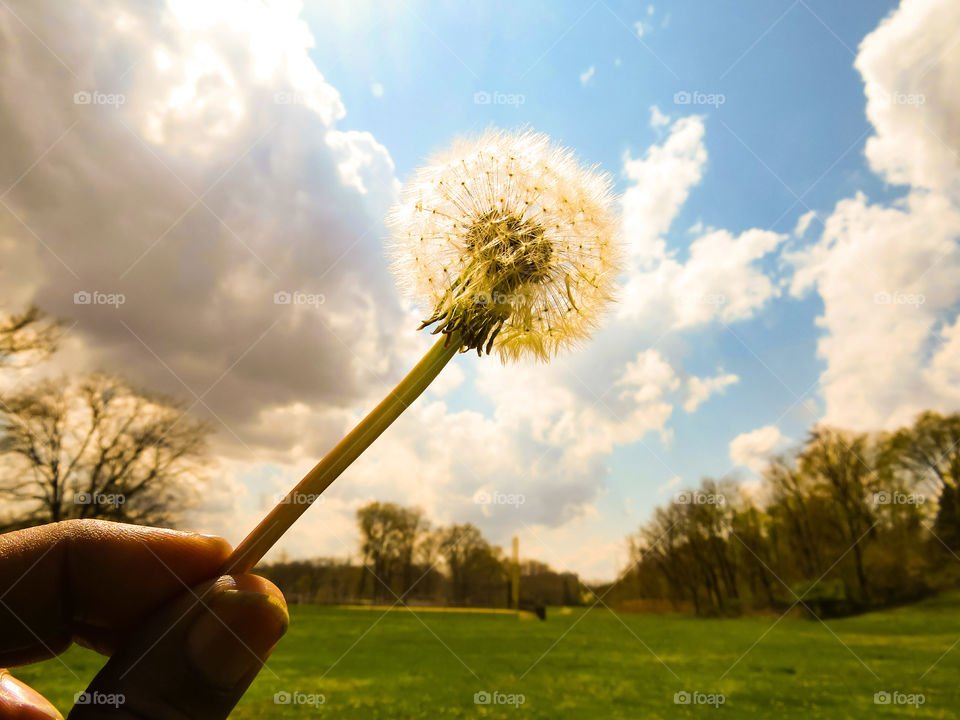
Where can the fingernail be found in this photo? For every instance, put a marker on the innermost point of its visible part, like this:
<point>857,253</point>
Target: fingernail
<point>25,702</point>
<point>209,536</point>
<point>233,635</point>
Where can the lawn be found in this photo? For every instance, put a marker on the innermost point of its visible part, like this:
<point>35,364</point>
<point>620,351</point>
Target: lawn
<point>592,664</point>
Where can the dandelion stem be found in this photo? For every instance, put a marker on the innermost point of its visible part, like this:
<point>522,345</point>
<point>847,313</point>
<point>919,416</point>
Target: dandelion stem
<point>279,520</point>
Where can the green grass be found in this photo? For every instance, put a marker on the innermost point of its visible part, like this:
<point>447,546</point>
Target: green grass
<point>592,665</point>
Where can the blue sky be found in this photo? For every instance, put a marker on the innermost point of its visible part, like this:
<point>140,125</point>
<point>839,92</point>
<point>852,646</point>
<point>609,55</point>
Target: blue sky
<point>798,159</point>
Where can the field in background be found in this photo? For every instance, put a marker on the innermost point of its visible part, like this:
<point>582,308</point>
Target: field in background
<point>369,665</point>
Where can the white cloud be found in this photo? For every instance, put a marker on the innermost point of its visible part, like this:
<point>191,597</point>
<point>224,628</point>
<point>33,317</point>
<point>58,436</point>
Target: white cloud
<point>649,377</point>
<point>658,118</point>
<point>638,26</point>
<point>944,370</point>
<point>660,184</point>
<point>671,483</point>
<point>887,274</point>
<point>803,223</point>
<point>587,75</point>
<point>887,277</point>
<point>911,70</point>
<point>699,389</point>
<point>376,89</point>
<point>363,163</point>
<point>720,279</point>
<point>218,180</point>
<point>721,276</point>
<point>753,449</point>
<point>449,380</point>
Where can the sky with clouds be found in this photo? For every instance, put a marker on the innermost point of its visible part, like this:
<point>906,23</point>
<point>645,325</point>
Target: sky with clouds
<point>790,188</point>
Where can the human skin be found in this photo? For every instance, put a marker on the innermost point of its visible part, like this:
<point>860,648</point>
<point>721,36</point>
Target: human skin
<point>183,641</point>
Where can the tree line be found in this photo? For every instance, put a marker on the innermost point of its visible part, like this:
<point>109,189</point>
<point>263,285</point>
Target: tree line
<point>404,559</point>
<point>844,523</point>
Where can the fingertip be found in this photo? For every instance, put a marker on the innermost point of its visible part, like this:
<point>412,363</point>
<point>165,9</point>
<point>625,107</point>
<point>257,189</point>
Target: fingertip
<point>197,655</point>
<point>212,546</point>
<point>243,619</point>
<point>21,702</point>
<point>258,584</point>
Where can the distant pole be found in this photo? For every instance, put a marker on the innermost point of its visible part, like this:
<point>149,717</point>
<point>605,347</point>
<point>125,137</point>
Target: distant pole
<point>515,575</point>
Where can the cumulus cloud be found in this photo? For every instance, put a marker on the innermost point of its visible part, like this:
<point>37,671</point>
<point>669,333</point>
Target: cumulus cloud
<point>671,483</point>
<point>649,377</point>
<point>803,223</point>
<point>752,449</point>
<point>887,277</point>
<point>700,389</point>
<point>887,272</point>
<point>660,183</point>
<point>189,160</point>
<point>911,69</point>
<point>721,276</point>
<point>658,118</point>
<point>587,75</point>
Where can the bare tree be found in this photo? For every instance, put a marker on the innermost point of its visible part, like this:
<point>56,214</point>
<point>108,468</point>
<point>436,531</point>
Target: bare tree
<point>95,447</point>
<point>27,337</point>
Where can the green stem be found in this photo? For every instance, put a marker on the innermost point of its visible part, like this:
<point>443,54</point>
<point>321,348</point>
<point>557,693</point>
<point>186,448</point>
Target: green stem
<point>279,520</point>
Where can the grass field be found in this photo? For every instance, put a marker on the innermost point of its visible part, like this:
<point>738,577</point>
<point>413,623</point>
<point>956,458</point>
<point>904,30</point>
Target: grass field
<point>592,665</point>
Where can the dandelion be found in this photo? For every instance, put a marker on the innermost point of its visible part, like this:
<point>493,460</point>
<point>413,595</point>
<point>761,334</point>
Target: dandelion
<point>510,242</point>
<point>512,245</point>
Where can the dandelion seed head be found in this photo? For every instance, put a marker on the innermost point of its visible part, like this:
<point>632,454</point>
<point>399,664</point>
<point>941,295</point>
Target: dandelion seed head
<point>511,243</point>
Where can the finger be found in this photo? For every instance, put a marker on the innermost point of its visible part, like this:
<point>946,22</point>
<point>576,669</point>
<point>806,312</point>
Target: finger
<point>192,659</point>
<point>21,702</point>
<point>90,580</point>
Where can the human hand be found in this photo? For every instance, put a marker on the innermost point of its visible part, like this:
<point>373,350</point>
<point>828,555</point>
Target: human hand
<point>180,644</point>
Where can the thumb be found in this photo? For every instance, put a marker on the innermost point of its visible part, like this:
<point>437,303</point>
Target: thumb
<point>194,658</point>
